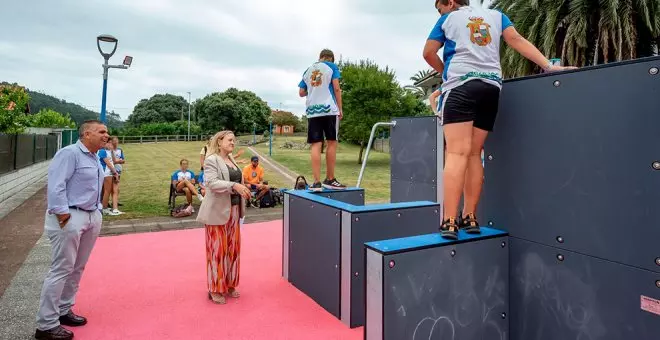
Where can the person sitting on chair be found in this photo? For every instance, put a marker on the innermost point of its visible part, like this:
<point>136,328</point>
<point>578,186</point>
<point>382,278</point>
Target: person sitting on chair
<point>200,182</point>
<point>253,175</point>
<point>184,181</point>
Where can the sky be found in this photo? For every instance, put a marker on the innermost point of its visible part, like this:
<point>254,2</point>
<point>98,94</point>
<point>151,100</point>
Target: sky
<point>202,46</point>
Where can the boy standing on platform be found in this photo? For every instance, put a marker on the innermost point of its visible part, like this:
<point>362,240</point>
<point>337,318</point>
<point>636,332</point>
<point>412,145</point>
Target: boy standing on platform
<point>320,84</point>
<point>469,100</point>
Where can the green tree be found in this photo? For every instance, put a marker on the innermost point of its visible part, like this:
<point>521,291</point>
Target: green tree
<point>282,118</point>
<point>234,110</point>
<point>160,108</point>
<point>301,125</point>
<point>371,94</point>
<point>582,32</point>
<point>13,103</point>
<point>47,118</point>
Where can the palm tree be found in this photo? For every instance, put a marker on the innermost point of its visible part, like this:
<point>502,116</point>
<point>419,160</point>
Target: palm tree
<point>419,91</point>
<point>582,32</point>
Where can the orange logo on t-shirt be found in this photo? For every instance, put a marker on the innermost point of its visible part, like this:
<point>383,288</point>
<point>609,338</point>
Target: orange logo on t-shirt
<point>317,78</point>
<point>479,31</point>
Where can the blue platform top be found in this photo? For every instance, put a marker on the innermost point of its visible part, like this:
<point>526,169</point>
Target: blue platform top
<point>397,245</point>
<point>315,197</point>
<point>323,191</point>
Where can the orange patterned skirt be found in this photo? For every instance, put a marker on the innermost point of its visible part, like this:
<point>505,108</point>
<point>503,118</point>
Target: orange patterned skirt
<point>223,250</point>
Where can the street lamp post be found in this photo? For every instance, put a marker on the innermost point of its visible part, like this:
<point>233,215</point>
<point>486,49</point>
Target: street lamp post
<point>270,135</point>
<point>106,56</point>
<point>189,116</point>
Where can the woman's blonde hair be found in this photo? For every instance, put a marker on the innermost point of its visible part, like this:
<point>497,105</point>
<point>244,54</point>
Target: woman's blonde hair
<point>214,148</point>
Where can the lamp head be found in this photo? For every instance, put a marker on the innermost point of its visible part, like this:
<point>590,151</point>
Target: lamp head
<point>106,38</point>
<point>128,60</point>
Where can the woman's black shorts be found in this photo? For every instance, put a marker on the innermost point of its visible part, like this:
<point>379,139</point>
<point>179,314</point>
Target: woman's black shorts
<point>475,101</point>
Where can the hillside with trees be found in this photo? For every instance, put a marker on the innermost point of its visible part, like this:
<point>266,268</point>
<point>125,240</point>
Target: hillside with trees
<point>14,109</point>
<point>40,101</point>
<point>78,114</point>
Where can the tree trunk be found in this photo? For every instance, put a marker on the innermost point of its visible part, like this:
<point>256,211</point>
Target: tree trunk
<point>362,146</point>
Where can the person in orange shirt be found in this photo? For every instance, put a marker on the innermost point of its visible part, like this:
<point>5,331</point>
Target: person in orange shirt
<point>253,174</point>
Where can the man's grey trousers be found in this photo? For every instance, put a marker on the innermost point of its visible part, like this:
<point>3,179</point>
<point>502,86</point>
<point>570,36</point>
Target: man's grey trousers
<point>71,247</point>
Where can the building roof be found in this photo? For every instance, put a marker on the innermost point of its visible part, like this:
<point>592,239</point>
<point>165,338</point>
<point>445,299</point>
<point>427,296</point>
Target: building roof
<point>434,78</point>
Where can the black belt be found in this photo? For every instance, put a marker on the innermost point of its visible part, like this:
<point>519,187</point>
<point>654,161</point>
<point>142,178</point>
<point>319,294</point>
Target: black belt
<point>81,209</point>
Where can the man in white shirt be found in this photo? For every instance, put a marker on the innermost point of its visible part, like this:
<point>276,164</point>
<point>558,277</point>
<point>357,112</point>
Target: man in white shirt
<point>320,84</point>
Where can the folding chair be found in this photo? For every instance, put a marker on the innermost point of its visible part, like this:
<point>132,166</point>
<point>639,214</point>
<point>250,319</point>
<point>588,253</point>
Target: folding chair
<point>173,195</point>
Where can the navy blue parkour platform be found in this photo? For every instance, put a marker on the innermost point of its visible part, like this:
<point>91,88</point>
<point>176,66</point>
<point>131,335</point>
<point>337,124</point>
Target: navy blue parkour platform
<point>572,171</point>
<point>323,249</point>
<point>428,287</point>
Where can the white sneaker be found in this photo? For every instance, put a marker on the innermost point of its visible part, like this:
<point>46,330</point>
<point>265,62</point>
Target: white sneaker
<point>106,211</point>
<point>114,212</point>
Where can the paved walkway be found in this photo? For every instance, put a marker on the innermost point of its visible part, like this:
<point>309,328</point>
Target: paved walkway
<point>282,170</point>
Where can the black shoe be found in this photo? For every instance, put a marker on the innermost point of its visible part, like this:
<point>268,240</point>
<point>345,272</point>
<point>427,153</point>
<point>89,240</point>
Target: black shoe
<point>57,333</point>
<point>316,187</point>
<point>71,319</point>
<point>333,184</point>
<point>469,224</point>
<point>449,229</point>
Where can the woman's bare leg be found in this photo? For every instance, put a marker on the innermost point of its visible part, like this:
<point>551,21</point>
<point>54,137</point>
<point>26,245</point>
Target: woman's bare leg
<point>107,190</point>
<point>459,141</point>
<point>115,195</point>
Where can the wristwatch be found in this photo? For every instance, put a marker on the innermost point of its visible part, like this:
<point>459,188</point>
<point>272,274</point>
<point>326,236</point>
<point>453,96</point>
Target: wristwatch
<point>548,66</point>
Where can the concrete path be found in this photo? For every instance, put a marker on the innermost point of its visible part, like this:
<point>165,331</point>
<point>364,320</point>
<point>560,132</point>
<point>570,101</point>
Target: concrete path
<point>282,170</point>
<point>17,199</point>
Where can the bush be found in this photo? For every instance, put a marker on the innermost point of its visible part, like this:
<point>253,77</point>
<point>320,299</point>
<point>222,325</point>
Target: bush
<point>47,118</point>
<point>13,101</point>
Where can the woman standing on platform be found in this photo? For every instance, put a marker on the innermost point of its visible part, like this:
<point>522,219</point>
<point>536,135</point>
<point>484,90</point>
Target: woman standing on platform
<point>221,211</point>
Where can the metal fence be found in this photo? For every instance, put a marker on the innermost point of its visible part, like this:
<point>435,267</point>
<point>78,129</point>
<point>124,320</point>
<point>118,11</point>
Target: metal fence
<point>69,137</point>
<point>242,139</point>
<point>20,151</point>
<point>157,139</point>
<point>381,145</point>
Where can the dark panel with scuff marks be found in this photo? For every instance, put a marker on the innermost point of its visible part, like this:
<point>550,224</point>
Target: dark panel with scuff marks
<point>413,157</point>
<point>570,163</point>
<point>411,191</point>
<point>559,295</point>
<point>430,294</point>
<point>383,225</point>
<point>352,196</point>
<point>314,236</point>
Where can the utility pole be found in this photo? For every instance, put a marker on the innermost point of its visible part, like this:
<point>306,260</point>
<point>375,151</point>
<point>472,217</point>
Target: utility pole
<point>189,116</point>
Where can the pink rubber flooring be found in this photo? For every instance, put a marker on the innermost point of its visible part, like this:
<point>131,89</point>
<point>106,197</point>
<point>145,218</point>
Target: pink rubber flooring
<point>153,286</point>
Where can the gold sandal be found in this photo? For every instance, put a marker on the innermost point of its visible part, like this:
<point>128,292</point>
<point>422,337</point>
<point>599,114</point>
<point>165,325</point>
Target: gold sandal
<point>217,298</point>
<point>234,293</point>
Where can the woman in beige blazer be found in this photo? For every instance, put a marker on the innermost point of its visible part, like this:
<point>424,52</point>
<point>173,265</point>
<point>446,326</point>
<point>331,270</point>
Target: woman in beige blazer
<point>221,211</point>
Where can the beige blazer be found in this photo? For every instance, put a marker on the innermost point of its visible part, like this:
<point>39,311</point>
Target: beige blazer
<point>216,205</point>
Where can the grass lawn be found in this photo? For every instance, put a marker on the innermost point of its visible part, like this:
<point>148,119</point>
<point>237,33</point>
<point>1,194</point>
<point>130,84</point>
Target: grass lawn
<point>376,179</point>
<point>146,176</point>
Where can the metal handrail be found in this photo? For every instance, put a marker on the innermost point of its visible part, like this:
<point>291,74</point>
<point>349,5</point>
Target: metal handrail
<point>371,138</point>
